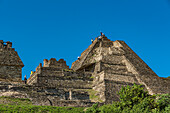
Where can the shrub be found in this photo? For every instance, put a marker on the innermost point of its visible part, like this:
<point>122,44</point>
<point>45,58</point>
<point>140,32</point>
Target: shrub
<point>163,101</point>
<point>135,100</point>
<point>130,96</point>
<point>93,109</point>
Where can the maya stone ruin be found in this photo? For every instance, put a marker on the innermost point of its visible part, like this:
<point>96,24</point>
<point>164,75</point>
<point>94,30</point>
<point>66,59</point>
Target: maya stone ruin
<point>101,70</point>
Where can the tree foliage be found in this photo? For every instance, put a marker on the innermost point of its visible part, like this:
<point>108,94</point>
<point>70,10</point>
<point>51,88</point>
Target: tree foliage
<point>130,96</point>
<point>135,100</point>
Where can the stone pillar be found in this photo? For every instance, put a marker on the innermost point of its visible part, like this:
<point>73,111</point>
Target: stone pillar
<point>40,65</point>
<point>45,63</point>
<point>9,44</point>
<point>70,95</point>
<point>100,44</point>
<point>97,68</point>
<point>1,43</point>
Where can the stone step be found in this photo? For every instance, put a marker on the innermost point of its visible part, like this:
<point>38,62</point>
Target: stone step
<point>125,78</point>
<point>116,69</point>
<point>3,87</point>
<point>119,73</point>
<point>119,65</point>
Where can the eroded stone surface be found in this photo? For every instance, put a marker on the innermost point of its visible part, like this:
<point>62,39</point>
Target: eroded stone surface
<point>10,63</point>
<point>96,76</point>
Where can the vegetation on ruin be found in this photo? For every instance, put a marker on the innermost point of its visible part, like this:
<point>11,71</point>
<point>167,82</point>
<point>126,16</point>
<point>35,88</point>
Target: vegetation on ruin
<point>15,101</point>
<point>93,96</point>
<point>68,70</point>
<point>135,100</point>
<point>132,100</point>
<point>22,105</point>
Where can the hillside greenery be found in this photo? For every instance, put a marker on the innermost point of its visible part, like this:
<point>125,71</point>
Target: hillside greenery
<point>135,100</point>
<point>132,100</point>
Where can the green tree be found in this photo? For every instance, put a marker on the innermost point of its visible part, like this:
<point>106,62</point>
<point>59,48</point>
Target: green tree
<point>163,101</point>
<point>130,96</point>
<point>135,100</point>
<point>93,109</point>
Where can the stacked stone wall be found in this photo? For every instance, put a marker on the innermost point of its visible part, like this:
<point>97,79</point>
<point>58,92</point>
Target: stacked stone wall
<point>50,71</point>
<point>112,87</point>
<point>10,63</point>
<point>54,63</point>
<point>11,73</point>
<point>125,78</point>
<point>99,86</point>
<point>54,81</point>
<point>46,95</point>
<point>107,44</point>
<point>144,73</point>
<point>114,59</point>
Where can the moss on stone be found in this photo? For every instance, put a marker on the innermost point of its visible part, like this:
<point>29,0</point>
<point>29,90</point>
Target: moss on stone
<point>15,101</point>
<point>93,95</point>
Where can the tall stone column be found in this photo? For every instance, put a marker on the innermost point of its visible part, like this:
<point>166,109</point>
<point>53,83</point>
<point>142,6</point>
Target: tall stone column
<point>1,43</point>
<point>70,95</point>
<point>9,44</point>
<point>97,67</point>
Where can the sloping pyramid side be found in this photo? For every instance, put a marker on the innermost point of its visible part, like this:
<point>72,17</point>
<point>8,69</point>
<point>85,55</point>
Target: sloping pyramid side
<point>143,72</point>
<point>114,65</point>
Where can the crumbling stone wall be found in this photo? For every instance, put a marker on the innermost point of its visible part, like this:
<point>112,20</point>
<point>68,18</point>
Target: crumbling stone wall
<point>116,65</point>
<point>10,73</point>
<point>56,76</point>
<point>10,63</point>
<point>100,72</point>
<point>59,76</point>
<point>99,87</point>
<point>143,72</point>
<point>50,96</point>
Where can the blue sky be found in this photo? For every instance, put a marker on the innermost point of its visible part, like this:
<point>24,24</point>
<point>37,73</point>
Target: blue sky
<point>43,29</point>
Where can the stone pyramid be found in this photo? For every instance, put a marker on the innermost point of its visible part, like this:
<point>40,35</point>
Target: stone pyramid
<point>115,64</point>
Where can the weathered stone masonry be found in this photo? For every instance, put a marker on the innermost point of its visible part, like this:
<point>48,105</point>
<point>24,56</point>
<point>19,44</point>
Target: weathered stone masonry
<point>99,73</point>
<point>115,65</point>
<point>10,63</point>
<point>64,84</point>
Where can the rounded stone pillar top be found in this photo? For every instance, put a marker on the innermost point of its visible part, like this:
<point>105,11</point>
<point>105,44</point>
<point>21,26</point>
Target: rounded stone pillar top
<point>1,41</point>
<point>9,44</point>
<point>45,62</point>
<point>62,60</point>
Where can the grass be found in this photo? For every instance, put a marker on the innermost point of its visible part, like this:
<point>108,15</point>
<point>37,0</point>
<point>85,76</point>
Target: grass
<point>14,101</point>
<point>38,109</point>
<point>22,105</point>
